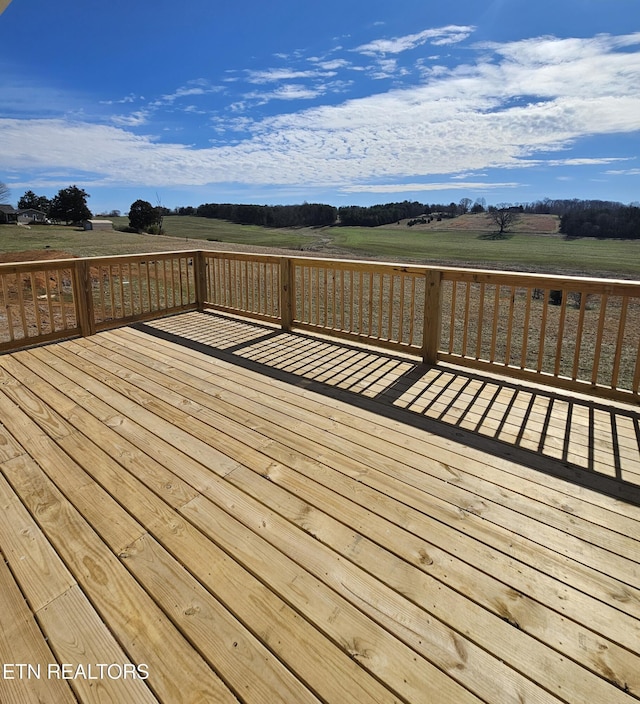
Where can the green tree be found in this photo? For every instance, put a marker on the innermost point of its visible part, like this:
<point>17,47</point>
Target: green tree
<point>70,205</point>
<point>142,215</point>
<point>31,201</point>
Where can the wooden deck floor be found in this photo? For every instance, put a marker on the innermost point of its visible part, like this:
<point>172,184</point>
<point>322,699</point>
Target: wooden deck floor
<point>200,509</point>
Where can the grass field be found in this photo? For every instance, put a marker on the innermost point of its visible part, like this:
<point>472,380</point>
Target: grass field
<point>530,251</point>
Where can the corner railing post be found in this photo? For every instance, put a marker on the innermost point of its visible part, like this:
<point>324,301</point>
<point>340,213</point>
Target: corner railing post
<point>432,316</point>
<point>200,266</point>
<point>287,294</point>
<point>83,295</point>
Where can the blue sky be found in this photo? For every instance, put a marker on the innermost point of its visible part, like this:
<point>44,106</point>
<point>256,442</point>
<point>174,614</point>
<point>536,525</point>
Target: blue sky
<point>350,102</point>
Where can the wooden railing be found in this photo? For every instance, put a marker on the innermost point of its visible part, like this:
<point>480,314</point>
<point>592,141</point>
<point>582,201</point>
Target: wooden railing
<point>51,300</point>
<point>576,333</point>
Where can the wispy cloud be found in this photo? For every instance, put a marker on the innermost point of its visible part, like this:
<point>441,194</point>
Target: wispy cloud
<point>443,35</point>
<point>517,102</point>
<point>440,186</point>
<point>198,86</point>
<point>274,75</point>
<point>623,172</point>
<point>289,91</point>
<point>135,119</point>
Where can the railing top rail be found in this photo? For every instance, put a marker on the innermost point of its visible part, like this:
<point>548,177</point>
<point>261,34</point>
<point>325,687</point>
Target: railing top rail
<point>449,272</point>
<point>59,263</point>
<point>452,272</point>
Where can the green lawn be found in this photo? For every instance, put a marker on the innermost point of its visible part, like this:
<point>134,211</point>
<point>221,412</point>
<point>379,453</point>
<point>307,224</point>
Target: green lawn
<point>542,253</point>
<point>525,251</point>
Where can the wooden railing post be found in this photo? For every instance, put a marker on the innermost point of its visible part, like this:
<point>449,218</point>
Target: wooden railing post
<point>432,316</point>
<point>287,294</point>
<point>83,297</point>
<point>200,272</point>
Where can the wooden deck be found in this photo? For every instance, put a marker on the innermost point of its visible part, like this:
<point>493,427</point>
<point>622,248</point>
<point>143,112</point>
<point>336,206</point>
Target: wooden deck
<point>200,509</point>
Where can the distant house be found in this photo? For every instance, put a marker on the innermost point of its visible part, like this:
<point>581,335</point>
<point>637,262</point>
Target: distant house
<point>97,225</point>
<point>30,215</point>
<point>8,214</point>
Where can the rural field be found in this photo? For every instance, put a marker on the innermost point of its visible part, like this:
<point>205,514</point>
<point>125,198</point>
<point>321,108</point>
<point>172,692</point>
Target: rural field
<point>533,246</point>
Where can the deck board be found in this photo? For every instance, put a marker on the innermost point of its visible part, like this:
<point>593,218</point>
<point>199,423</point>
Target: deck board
<point>223,497</point>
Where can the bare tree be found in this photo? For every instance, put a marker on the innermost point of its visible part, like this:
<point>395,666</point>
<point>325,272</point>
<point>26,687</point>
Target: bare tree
<point>503,218</point>
<point>5,193</point>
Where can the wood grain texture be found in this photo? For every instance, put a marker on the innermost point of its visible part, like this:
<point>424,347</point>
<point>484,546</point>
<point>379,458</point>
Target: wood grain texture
<point>221,496</point>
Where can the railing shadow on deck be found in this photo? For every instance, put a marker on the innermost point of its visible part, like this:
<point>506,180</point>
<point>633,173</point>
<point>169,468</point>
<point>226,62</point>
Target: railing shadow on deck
<point>579,439</point>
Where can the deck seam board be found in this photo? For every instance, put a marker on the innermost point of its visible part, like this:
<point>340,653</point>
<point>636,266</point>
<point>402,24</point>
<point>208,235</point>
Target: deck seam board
<point>466,453</point>
<point>28,550</point>
<point>626,528</point>
<point>588,551</point>
<point>613,589</point>
<point>176,516</point>
<point>22,641</point>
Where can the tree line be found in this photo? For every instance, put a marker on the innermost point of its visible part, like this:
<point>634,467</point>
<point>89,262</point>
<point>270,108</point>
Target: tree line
<point>304,215</point>
<point>578,218</point>
<point>603,222</point>
<point>321,215</point>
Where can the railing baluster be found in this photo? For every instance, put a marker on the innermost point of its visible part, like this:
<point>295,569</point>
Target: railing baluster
<point>494,327</point>
<point>636,373</point>
<point>560,338</point>
<point>576,353</point>
<point>390,312</point>
<point>147,268</point>
<point>23,318</point>
<point>512,300</point>
<point>381,278</point>
<point>47,289</point>
<point>401,308</point>
<point>604,299</point>
<point>480,323</point>
<point>36,306</point>
<point>371,275</point>
<point>525,328</point>
<point>452,324</point>
<point>465,330</point>
<point>619,341</point>
<point>412,311</point>
<point>543,329</point>
<point>7,306</point>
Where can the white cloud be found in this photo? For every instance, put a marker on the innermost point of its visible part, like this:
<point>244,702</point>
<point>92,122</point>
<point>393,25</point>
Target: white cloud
<point>623,172</point>
<point>443,35</point>
<point>198,86</point>
<point>273,75</point>
<point>585,161</point>
<point>135,119</point>
<point>332,64</point>
<point>502,112</point>
<point>441,186</point>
